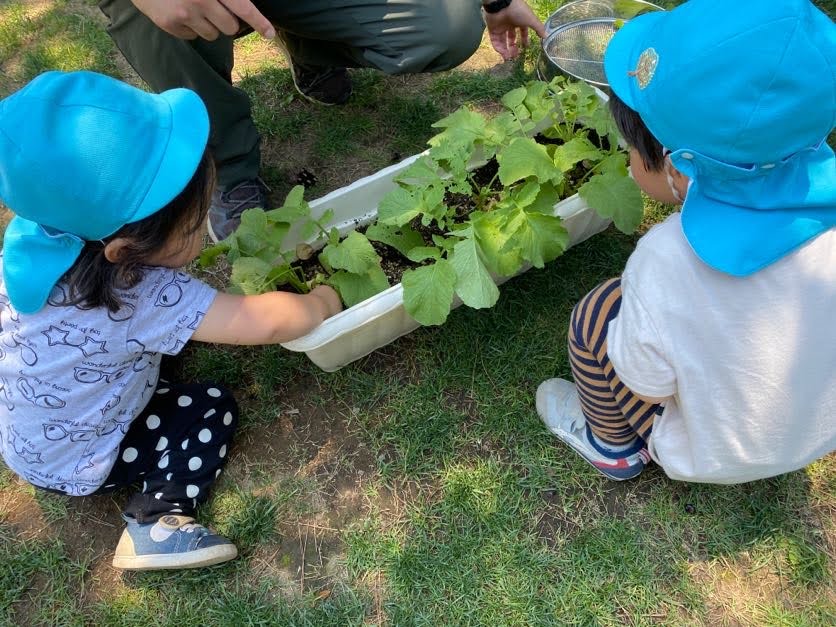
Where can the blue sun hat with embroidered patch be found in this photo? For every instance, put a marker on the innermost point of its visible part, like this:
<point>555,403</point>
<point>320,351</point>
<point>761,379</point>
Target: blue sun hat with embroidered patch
<point>82,155</point>
<point>744,94</point>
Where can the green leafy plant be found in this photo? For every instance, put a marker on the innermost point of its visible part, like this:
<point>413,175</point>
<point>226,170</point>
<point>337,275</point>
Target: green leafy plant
<point>511,222</point>
<point>477,207</point>
<point>261,262</point>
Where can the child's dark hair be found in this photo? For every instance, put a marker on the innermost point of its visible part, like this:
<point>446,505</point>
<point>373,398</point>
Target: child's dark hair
<point>637,135</point>
<point>93,281</point>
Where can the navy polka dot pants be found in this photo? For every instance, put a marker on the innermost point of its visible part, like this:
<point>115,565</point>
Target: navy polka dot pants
<point>175,448</point>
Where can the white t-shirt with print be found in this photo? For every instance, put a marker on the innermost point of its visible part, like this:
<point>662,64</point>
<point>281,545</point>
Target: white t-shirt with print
<point>72,380</point>
<point>750,362</point>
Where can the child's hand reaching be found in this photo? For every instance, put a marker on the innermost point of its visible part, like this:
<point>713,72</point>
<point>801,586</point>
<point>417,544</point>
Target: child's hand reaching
<point>269,318</point>
<point>330,299</point>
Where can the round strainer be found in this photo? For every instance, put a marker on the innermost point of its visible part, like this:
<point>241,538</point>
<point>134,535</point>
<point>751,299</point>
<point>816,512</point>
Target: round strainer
<point>578,11</point>
<point>578,49</point>
<point>577,34</point>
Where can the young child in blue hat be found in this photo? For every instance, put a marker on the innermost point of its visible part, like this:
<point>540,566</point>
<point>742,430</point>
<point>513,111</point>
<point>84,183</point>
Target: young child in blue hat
<point>714,354</point>
<point>92,295</point>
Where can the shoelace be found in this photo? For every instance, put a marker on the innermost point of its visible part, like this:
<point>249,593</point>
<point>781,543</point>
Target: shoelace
<point>241,204</point>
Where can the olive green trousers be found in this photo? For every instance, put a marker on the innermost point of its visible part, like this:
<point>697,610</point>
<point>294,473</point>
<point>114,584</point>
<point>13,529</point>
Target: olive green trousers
<point>394,36</point>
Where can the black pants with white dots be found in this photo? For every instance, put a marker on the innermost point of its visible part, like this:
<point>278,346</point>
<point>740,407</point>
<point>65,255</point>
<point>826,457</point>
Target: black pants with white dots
<point>176,447</point>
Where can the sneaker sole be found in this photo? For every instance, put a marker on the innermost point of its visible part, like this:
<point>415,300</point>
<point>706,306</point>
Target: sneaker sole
<point>212,235</point>
<point>567,440</point>
<point>169,561</point>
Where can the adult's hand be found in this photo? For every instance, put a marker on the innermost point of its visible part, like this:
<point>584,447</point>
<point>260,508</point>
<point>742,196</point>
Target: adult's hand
<point>189,19</point>
<point>508,29</point>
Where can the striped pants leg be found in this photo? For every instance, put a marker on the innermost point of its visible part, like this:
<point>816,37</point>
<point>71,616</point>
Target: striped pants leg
<point>613,412</point>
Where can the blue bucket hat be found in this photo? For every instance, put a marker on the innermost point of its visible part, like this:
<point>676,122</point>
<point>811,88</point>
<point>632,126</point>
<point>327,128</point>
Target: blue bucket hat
<point>744,94</point>
<point>81,155</point>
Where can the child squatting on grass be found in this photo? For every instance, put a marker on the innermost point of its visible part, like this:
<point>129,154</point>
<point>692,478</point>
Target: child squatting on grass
<point>714,354</point>
<point>110,186</point>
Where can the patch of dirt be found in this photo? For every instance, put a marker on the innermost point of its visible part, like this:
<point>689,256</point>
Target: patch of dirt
<point>738,589</point>
<point>89,531</point>
<point>308,442</point>
<point>618,500</point>
<point>314,443</point>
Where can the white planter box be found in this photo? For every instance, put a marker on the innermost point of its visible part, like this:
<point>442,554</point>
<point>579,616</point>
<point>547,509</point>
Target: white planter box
<point>381,319</point>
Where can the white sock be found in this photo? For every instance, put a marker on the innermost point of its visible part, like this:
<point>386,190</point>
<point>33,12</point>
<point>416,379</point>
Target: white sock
<point>612,448</point>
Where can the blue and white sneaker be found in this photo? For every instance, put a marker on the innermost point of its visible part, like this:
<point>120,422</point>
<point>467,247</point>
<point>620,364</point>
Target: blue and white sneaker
<point>560,410</point>
<point>171,542</point>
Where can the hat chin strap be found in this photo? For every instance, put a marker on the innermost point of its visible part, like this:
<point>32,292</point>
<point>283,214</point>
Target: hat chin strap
<point>34,260</point>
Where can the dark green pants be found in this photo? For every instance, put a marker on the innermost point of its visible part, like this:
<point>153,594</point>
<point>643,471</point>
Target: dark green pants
<point>395,36</point>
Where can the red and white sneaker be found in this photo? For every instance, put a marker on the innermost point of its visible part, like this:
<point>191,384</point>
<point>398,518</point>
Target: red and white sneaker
<point>560,409</point>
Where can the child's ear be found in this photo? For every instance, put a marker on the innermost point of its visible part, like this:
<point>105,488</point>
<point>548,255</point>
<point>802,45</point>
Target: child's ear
<point>115,249</point>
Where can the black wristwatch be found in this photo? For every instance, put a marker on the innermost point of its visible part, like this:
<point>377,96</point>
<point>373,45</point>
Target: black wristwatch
<point>496,6</point>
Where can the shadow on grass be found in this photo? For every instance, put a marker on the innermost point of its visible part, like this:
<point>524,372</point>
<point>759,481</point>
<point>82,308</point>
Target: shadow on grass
<point>59,37</point>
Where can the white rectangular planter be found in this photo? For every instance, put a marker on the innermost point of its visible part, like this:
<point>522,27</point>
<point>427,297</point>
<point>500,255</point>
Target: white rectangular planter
<point>381,319</point>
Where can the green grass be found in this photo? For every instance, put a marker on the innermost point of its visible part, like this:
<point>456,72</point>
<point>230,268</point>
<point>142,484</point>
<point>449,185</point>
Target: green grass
<point>415,486</point>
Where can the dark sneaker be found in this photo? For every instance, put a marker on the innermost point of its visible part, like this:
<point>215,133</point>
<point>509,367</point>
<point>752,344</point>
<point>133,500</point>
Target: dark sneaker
<point>325,86</point>
<point>560,409</point>
<point>321,85</point>
<point>171,542</point>
<point>228,205</point>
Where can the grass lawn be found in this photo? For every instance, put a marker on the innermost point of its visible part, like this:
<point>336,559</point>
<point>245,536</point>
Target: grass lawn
<point>416,486</point>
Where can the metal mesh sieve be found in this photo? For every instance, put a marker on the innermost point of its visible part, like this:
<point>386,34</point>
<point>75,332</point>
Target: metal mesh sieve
<point>579,11</point>
<point>578,49</point>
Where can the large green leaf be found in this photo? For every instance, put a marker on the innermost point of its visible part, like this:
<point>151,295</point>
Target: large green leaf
<point>514,98</point>
<point>403,239</point>
<point>538,101</point>
<point>474,284</point>
<point>432,204</point>
<point>547,197</point>
<point>492,236</point>
<point>250,275</point>
<point>576,149</point>
<point>355,288</point>
<point>422,253</point>
<point>615,163</point>
<point>522,158</point>
<point>526,194</point>
<point>539,238</point>
<point>498,132</point>
<point>462,127</point>
<point>294,207</point>
<point>616,197</point>
<point>355,253</point>
<point>428,292</point>
<point>257,236</point>
<point>452,158</point>
<point>422,172</point>
<point>398,207</point>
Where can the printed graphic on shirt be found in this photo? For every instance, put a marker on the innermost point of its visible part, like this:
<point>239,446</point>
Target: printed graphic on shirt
<point>61,337</point>
<point>59,298</point>
<point>171,292</point>
<point>21,448</point>
<point>44,401</point>
<point>72,379</point>
<point>5,394</point>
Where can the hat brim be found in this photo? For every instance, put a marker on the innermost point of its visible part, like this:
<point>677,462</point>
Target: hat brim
<point>740,240</point>
<point>186,145</point>
<point>622,55</point>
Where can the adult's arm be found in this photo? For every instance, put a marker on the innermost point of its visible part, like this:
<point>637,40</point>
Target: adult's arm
<point>189,19</point>
<point>508,29</point>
